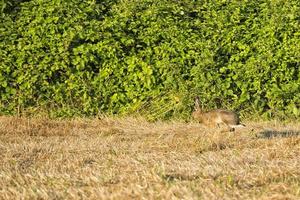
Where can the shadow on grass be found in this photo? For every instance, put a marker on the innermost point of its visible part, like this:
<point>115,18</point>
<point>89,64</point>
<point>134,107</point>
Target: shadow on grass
<point>268,134</point>
<point>178,177</point>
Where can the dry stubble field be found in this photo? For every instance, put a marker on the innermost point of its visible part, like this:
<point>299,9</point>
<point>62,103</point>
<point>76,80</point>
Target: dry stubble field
<point>134,159</point>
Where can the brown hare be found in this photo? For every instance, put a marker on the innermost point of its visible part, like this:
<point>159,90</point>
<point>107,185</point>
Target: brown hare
<point>217,117</point>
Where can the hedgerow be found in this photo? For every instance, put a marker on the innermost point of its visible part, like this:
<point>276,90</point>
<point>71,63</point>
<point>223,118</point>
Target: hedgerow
<point>150,57</point>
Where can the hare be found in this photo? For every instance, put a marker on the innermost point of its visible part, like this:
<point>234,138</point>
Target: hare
<point>217,117</point>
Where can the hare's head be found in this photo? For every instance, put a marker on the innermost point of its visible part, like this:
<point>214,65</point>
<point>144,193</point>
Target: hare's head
<point>197,111</point>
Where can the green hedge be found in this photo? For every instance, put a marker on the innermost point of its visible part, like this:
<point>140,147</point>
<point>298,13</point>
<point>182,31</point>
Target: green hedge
<point>72,57</point>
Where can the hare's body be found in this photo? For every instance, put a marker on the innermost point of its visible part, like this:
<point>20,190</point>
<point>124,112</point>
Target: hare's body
<point>216,118</point>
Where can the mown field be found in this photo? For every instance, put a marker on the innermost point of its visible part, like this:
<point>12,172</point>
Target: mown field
<point>131,158</point>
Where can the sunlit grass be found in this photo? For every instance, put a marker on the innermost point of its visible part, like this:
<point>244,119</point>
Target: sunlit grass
<point>131,158</point>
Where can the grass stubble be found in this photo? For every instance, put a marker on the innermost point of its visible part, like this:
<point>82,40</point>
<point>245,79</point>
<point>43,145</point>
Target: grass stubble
<point>130,158</point>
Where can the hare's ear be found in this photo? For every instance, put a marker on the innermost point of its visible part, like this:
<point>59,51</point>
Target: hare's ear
<point>197,106</point>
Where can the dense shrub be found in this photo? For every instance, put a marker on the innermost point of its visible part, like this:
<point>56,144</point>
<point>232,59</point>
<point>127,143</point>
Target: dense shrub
<point>83,57</point>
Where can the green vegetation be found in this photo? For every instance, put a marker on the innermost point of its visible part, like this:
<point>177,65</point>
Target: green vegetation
<point>84,57</point>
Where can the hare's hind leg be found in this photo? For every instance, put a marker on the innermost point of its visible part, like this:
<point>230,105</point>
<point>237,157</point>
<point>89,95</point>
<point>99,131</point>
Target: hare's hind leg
<point>227,129</point>
<point>223,127</point>
<point>230,128</point>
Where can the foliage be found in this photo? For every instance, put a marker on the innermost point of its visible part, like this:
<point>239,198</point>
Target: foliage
<point>150,57</point>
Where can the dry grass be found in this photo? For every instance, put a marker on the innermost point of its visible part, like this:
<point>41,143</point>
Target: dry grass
<point>131,158</point>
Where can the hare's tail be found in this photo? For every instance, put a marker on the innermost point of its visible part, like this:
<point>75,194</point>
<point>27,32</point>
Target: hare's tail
<point>238,126</point>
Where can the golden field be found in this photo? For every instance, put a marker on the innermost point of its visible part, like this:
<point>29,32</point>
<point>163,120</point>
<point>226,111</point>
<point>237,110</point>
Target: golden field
<point>130,158</point>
